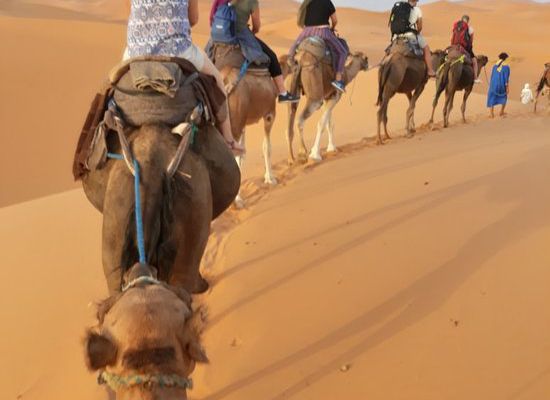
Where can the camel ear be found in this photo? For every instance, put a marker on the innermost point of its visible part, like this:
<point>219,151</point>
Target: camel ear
<point>100,351</point>
<point>196,352</point>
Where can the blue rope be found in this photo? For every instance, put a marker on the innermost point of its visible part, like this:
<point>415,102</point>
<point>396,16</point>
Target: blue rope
<point>139,216</point>
<point>137,211</point>
<point>243,70</point>
<point>115,156</point>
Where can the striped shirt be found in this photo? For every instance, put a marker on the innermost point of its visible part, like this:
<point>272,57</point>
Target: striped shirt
<point>158,27</point>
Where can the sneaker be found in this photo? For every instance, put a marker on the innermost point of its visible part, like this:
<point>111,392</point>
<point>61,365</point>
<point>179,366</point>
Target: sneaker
<point>339,85</point>
<point>288,98</point>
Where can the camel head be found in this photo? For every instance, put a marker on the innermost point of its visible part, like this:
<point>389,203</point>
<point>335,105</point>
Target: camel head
<point>482,61</point>
<point>362,59</point>
<point>146,342</point>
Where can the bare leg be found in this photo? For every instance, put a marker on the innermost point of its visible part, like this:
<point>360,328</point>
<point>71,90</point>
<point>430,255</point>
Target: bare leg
<point>280,83</point>
<point>492,113</point>
<point>428,60</point>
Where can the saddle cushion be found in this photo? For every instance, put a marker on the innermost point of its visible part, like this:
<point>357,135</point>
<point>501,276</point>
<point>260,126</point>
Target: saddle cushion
<point>151,102</point>
<point>406,48</point>
<point>317,48</point>
<point>456,52</point>
<point>230,55</point>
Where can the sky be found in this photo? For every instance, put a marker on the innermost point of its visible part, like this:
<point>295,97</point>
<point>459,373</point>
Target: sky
<point>381,5</point>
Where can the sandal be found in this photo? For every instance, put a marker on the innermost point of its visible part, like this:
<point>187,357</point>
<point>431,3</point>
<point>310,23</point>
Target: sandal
<point>235,147</point>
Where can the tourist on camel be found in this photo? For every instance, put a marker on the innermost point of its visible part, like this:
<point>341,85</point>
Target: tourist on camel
<point>463,36</point>
<point>318,18</point>
<point>163,27</point>
<point>254,49</point>
<point>406,22</point>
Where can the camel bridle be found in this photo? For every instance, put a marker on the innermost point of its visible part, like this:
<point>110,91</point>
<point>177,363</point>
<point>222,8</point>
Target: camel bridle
<point>146,381</point>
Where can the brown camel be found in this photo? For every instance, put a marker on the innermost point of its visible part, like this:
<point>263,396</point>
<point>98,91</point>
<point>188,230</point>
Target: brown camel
<point>177,210</point>
<point>399,73</point>
<point>251,98</point>
<point>146,342</point>
<point>544,81</point>
<point>455,75</point>
<point>315,79</point>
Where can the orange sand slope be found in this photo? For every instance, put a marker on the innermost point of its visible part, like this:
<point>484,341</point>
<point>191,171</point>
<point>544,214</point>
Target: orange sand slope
<point>417,270</point>
<point>414,271</point>
<point>59,62</point>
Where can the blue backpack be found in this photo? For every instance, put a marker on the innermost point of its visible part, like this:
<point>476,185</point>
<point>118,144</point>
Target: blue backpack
<point>224,28</point>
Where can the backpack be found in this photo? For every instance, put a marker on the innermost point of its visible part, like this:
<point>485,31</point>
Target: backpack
<point>461,35</point>
<point>224,23</point>
<point>399,18</point>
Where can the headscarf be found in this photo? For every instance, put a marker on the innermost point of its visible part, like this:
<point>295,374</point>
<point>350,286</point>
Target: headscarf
<point>215,5</point>
<point>302,13</point>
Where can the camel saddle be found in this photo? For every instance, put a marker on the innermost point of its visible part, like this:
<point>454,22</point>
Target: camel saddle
<point>230,55</point>
<point>317,47</point>
<point>406,48</point>
<point>146,90</point>
<point>457,52</point>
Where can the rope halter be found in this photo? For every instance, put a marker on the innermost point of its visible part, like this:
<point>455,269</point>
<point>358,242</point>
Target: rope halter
<point>117,382</point>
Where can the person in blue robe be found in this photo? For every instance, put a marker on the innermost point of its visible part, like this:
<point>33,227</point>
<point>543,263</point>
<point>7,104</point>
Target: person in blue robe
<point>499,87</point>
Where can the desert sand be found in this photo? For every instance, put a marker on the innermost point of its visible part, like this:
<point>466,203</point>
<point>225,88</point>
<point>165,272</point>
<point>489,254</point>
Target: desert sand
<point>416,270</point>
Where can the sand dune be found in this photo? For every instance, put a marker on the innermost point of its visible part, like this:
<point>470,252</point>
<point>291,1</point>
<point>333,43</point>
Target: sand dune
<point>417,270</point>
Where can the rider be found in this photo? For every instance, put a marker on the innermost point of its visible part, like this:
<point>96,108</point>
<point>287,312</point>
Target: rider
<point>463,36</point>
<point>163,27</point>
<point>250,9</point>
<point>314,17</point>
<point>413,32</point>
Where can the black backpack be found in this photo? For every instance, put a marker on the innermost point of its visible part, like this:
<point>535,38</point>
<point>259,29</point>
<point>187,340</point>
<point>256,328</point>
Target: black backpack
<point>399,18</point>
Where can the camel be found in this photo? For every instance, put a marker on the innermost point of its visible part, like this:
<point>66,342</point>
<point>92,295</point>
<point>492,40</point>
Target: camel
<point>177,210</point>
<point>315,79</point>
<point>454,75</point>
<point>146,341</point>
<point>401,73</point>
<point>251,97</point>
<point>544,81</point>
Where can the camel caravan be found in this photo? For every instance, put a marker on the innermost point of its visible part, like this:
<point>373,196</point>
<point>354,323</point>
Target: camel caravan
<point>161,152</point>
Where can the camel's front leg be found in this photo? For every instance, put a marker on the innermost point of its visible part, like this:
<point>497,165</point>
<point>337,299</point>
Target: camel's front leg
<point>269,178</point>
<point>239,202</point>
<point>309,109</point>
<point>410,122</point>
<point>467,92</point>
<point>292,108</point>
<point>324,123</point>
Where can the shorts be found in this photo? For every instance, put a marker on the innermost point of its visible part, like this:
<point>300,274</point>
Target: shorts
<point>195,55</point>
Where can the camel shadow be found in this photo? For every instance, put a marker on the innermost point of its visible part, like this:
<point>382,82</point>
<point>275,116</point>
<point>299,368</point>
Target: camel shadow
<point>430,291</point>
<point>371,174</point>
